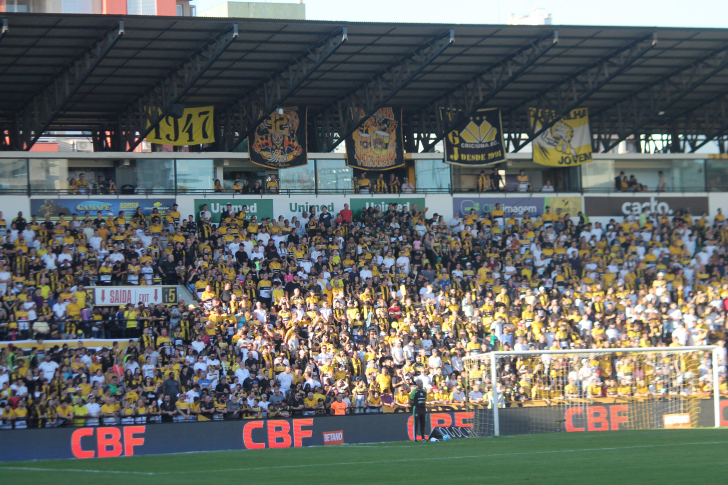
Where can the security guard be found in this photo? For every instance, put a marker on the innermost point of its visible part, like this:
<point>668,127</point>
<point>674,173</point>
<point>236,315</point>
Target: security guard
<point>418,401</point>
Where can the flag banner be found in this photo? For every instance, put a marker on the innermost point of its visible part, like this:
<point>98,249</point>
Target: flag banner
<point>280,141</point>
<point>478,141</point>
<point>378,143</point>
<point>195,127</point>
<point>567,143</point>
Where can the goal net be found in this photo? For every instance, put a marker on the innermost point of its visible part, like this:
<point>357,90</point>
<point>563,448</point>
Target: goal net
<point>593,390</point>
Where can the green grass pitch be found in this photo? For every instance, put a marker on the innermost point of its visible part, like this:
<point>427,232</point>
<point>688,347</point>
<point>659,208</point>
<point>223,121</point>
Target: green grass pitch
<point>624,457</point>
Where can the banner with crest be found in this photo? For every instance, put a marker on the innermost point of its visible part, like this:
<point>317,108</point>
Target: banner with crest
<point>566,143</point>
<point>478,141</point>
<point>279,142</point>
<point>377,144</point>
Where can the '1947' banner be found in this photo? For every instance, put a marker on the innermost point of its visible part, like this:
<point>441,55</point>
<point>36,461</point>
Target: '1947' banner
<point>195,127</point>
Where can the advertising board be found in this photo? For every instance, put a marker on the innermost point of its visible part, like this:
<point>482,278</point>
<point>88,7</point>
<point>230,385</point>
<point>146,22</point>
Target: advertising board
<point>53,207</point>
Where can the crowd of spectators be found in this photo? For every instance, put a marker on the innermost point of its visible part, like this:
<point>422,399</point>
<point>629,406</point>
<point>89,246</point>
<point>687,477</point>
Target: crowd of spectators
<point>333,314</point>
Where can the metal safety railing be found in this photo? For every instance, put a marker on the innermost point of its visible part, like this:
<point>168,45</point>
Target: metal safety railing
<point>450,190</point>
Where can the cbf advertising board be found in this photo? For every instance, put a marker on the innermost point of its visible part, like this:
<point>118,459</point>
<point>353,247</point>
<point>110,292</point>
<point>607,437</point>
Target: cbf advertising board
<point>108,207</point>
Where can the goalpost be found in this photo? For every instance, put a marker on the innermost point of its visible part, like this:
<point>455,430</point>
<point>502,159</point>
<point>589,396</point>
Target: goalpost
<point>593,389</point>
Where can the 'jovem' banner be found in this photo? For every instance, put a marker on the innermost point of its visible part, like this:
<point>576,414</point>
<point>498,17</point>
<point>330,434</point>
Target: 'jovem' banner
<point>566,143</point>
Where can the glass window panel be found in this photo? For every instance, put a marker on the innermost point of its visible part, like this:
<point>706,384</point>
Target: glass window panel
<point>465,179</point>
<point>48,174</point>
<point>598,174</point>
<point>333,175</point>
<point>432,175</point>
<point>298,178</point>
<point>155,175</point>
<point>688,175</point>
<point>244,171</point>
<point>13,174</point>
<point>717,175</point>
<point>195,174</point>
<point>679,175</point>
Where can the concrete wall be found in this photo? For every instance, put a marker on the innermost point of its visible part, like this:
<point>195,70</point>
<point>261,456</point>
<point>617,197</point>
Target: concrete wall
<point>441,204</point>
<point>11,204</point>
<point>258,10</point>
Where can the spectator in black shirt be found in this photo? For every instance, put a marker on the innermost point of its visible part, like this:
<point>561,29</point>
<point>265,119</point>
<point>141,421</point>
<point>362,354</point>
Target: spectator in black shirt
<point>296,404</point>
<point>222,387</point>
<point>186,375</point>
<point>168,270</point>
<point>325,217</point>
<point>207,407</point>
<point>20,222</point>
<point>168,408</point>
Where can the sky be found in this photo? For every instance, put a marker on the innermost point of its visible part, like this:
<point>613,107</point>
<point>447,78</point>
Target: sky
<point>664,13</point>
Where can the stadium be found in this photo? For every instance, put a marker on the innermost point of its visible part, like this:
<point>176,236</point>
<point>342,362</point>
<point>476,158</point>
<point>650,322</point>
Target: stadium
<point>315,251</point>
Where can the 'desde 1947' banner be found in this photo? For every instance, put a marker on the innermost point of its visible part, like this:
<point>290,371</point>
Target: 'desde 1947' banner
<point>565,144</point>
<point>195,127</point>
<point>377,144</point>
<point>477,141</point>
<point>280,141</point>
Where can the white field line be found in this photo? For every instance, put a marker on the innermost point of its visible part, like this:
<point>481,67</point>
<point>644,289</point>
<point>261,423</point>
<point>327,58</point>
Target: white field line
<point>378,462</point>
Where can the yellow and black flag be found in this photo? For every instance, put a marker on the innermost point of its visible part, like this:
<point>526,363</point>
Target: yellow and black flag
<point>377,144</point>
<point>279,142</point>
<point>566,143</point>
<point>477,141</point>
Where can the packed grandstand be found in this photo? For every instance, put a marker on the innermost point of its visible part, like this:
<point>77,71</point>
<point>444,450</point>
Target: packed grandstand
<point>335,315</point>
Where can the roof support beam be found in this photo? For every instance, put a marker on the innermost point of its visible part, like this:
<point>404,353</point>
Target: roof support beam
<point>434,121</point>
<point>715,113</point>
<point>700,124</point>
<point>348,113</point>
<point>40,111</point>
<point>3,28</point>
<point>628,116</point>
<point>143,115</point>
<point>556,101</point>
<point>244,115</point>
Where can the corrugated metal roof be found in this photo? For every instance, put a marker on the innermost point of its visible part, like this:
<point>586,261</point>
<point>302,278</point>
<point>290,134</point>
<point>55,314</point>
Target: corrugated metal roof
<point>38,47</point>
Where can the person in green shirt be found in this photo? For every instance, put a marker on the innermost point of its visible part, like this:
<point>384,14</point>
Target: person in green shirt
<point>418,401</point>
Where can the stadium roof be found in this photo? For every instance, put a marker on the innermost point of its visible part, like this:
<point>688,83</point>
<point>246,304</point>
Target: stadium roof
<point>685,66</point>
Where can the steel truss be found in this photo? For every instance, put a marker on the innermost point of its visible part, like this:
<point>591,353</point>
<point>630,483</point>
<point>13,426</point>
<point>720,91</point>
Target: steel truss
<point>556,101</point>
<point>138,119</point>
<point>38,114</point>
<point>345,115</point>
<point>243,115</point>
<point>627,117</point>
<point>698,126</point>
<point>431,123</point>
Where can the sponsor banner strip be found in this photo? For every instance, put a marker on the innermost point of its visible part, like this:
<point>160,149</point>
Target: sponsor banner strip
<point>635,204</point>
<point>154,439</point>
